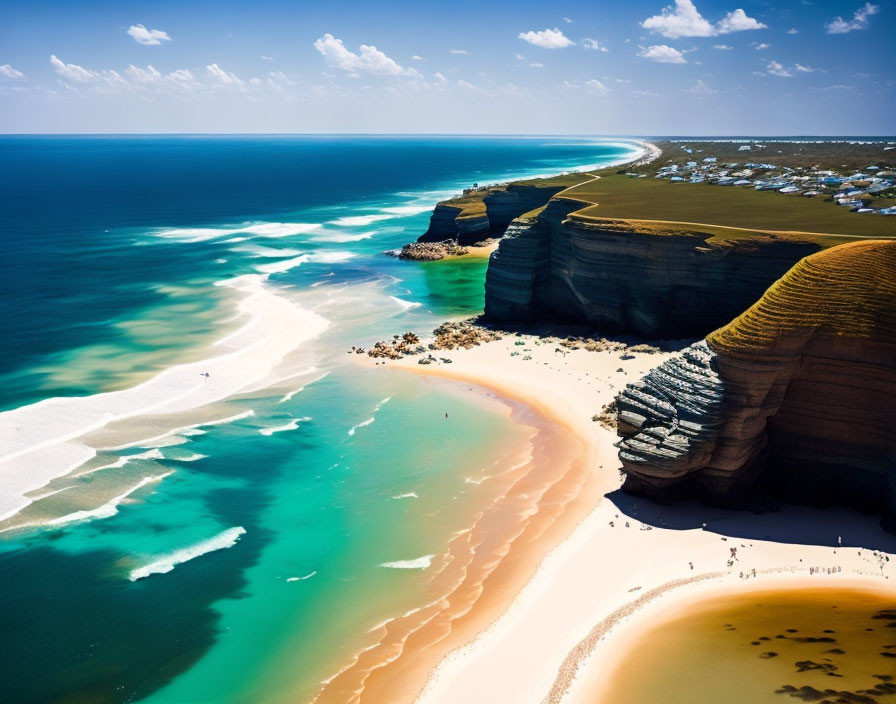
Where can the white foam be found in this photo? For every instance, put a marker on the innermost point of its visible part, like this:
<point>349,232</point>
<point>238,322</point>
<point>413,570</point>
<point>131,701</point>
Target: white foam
<point>281,266</point>
<point>223,540</point>
<point>36,440</point>
<point>358,220</point>
<point>292,425</point>
<point>406,305</point>
<point>409,209</point>
<point>185,431</point>
<point>300,579</point>
<point>257,250</point>
<point>322,257</point>
<point>108,509</point>
<point>261,229</point>
<point>420,563</point>
<point>372,418</point>
<point>342,237</point>
<point>409,495</point>
<point>292,393</point>
<point>154,454</point>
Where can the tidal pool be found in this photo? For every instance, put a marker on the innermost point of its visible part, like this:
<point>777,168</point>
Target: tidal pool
<point>826,645</point>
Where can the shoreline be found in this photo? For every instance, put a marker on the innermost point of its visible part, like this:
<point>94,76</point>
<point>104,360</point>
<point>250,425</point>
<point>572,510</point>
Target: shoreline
<point>583,595</point>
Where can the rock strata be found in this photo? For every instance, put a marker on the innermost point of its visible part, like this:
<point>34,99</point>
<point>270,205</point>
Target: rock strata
<point>797,394</point>
<point>626,278</point>
<point>478,216</point>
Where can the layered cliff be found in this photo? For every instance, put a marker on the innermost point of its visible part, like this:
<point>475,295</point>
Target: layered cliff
<point>799,391</point>
<point>656,280</point>
<point>486,213</point>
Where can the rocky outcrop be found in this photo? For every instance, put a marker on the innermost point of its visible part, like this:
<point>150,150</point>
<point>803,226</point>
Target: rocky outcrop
<point>482,214</point>
<point>620,275</point>
<point>798,393</point>
<point>430,251</point>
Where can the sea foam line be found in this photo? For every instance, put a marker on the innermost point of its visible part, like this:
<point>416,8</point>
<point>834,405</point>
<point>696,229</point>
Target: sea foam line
<point>35,445</point>
<point>420,563</point>
<point>372,418</point>
<point>292,425</point>
<point>223,540</point>
<point>301,579</point>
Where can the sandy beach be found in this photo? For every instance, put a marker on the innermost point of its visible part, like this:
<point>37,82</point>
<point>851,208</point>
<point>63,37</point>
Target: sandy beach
<point>617,563</point>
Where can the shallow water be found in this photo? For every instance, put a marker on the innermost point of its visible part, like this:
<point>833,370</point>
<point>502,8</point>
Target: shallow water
<point>815,645</point>
<point>250,542</point>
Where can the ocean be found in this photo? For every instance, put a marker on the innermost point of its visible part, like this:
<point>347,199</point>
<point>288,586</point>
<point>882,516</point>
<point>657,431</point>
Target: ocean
<point>204,497</point>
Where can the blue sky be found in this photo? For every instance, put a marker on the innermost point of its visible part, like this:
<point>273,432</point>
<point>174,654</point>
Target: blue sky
<point>562,67</point>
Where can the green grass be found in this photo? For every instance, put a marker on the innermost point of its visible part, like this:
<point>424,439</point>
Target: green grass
<point>616,196</point>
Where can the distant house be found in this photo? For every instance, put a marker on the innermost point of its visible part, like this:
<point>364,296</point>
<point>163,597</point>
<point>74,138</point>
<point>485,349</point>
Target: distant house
<point>744,148</point>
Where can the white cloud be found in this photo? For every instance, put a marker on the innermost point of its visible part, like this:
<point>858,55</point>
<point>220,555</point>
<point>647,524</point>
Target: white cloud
<point>567,20</point>
<point>684,20</point>
<point>859,20</point>
<point>440,79</point>
<point>466,85</point>
<point>415,57</point>
<point>722,47</point>
<point>10,72</point>
<point>777,69</point>
<point>148,37</point>
<point>805,69</point>
<point>368,60</point>
<point>663,54</point>
<point>73,72</point>
<point>595,86</point>
<point>761,47</point>
<point>737,21</point>
<point>458,51</point>
<point>623,80</point>
<point>267,58</point>
<point>793,30</point>
<point>547,38</point>
<point>699,88</point>
<point>536,65</point>
<point>592,44</point>
<point>224,77</point>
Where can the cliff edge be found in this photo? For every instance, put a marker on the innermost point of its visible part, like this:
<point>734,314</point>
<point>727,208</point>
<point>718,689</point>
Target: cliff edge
<point>797,393</point>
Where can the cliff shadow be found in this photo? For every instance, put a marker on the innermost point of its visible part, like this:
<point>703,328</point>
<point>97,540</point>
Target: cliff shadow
<point>783,523</point>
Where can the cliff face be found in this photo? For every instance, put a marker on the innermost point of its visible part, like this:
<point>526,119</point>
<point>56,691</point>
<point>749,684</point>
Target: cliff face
<point>485,214</point>
<point>619,276</point>
<point>799,392</point>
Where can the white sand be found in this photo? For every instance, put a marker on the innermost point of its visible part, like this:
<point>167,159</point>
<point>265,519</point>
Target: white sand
<point>590,593</point>
<point>39,442</point>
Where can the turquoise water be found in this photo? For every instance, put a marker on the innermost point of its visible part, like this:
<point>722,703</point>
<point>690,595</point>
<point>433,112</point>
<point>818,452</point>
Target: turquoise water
<point>249,544</point>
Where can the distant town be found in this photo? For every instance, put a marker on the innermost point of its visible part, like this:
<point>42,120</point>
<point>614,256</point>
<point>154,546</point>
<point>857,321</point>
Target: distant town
<point>870,190</point>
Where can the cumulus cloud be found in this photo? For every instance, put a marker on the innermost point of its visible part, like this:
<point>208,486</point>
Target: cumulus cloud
<point>147,37</point>
<point>439,78</point>
<point>73,72</point>
<point>859,20</point>
<point>663,54</point>
<point>224,77</point>
<point>684,20</point>
<point>793,30</point>
<point>536,64</point>
<point>737,21</point>
<point>761,47</point>
<point>805,69</point>
<point>595,86</point>
<point>593,45</point>
<point>458,51</point>
<point>722,47</point>
<point>547,38</point>
<point>10,72</point>
<point>775,68</point>
<point>416,57</point>
<point>368,60</point>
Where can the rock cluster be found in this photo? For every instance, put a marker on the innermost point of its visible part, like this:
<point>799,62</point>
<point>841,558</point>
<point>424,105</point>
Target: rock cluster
<point>431,251</point>
<point>798,392</point>
<point>626,278</point>
<point>463,334</point>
